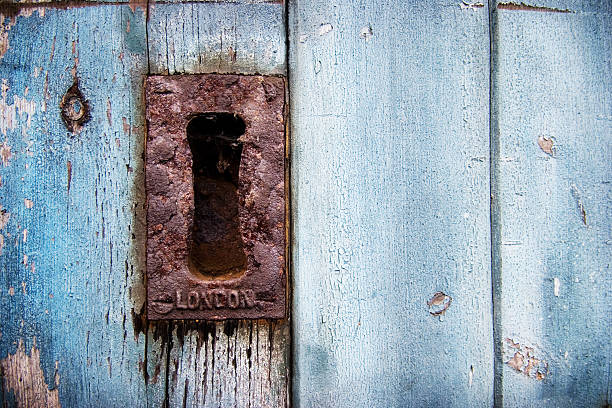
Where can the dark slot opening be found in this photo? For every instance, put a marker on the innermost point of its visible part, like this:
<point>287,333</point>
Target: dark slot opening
<point>216,243</point>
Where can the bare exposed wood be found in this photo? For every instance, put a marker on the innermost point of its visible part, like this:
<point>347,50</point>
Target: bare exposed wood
<point>24,377</point>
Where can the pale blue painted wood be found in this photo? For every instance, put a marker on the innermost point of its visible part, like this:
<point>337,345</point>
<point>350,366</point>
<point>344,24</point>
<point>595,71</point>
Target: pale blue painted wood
<point>80,199</point>
<point>553,79</point>
<point>217,37</point>
<point>239,363</point>
<point>390,190</point>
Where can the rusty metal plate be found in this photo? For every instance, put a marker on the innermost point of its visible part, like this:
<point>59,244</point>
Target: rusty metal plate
<point>215,183</point>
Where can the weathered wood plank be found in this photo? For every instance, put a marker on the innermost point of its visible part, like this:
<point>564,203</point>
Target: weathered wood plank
<point>72,233</point>
<point>217,37</point>
<point>552,175</point>
<point>390,182</point>
<point>236,363</point>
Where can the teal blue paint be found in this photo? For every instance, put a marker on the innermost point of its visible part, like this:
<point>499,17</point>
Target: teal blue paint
<point>390,157</point>
<point>390,188</point>
<point>86,279</point>
<point>135,37</point>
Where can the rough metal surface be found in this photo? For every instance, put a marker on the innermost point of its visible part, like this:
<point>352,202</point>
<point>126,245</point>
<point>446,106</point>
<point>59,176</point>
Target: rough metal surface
<point>174,290</point>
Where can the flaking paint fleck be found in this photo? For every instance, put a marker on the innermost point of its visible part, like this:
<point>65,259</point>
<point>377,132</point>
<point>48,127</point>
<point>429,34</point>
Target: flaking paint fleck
<point>466,5</point>
<point>5,153</point>
<point>366,33</point>
<point>578,197</point>
<point>4,217</point>
<point>325,28</point>
<point>28,203</point>
<point>108,112</point>
<point>8,113</point>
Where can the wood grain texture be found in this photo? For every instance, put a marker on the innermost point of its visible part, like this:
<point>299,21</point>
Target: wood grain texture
<point>240,363</point>
<point>552,175</point>
<point>72,229</point>
<point>217,37</point>
<point>390,187</point>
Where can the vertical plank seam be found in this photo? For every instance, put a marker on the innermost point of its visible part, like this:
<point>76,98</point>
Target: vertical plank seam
<point>147,325</point>
<point>167,376</point>
<point>494,214</point>
<point>289,370</point>
<point>147,13</point>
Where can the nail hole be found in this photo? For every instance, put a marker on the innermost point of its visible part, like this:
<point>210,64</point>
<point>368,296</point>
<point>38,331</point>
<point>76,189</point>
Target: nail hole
<point>216,249</point>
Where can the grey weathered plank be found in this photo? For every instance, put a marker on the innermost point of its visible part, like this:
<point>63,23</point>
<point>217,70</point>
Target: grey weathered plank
<point>238,363</point>
<point>552,175</point>
<point>390,185</point>
<point>71,285</point>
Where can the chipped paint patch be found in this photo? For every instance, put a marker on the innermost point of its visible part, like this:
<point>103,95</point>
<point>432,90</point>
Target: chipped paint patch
<point>556,286</point>
<point>511,5</point>
<point>523,359</point>
<point>7,22</point>
<point>5,153</point>
<point>8,113</point>
<point>4,217</point>
<point>578,197</point>
<point>366,33</point>
<point>547,144</point>
<point>23,375</point>
<point>28,203</point>
<point>466,5</point>
<point>325,28</point>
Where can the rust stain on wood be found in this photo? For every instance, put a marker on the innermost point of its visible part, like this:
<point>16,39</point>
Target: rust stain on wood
<point>23,375</point>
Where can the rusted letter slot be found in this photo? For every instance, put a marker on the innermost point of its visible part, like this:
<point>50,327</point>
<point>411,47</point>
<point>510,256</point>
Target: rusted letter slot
<point>215,182</point>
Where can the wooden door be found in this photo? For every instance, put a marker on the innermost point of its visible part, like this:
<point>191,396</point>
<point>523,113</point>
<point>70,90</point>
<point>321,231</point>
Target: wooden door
<point>450,204</point>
